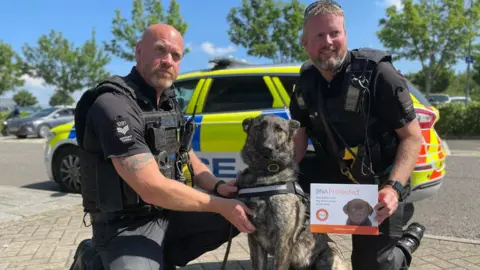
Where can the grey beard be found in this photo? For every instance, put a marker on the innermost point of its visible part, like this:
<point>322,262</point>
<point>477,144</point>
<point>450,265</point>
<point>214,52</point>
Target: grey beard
<point>330,66</point>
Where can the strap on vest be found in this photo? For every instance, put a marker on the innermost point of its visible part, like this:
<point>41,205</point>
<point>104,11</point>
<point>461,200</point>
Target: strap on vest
<point>364,61</point>
<point>271,190</point>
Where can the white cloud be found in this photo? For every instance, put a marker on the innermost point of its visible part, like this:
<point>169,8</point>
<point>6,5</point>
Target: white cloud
<point>33,82</point>
<point>213,50</point>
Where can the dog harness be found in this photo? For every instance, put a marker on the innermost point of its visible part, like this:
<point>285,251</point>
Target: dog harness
<point>270,190</point>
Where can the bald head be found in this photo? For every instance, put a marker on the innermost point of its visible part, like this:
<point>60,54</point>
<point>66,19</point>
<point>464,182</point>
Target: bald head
<point>158,55</point>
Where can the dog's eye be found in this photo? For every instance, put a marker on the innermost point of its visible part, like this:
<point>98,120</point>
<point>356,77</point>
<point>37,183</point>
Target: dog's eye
<point>278,128</point>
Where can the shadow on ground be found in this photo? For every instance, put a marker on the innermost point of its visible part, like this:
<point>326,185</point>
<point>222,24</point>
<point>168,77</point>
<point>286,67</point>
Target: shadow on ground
<point>231,265</point>
<point>47,185</point>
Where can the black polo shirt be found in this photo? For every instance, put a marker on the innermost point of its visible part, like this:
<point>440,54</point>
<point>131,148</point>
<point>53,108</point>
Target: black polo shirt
<point>113,123</point>
<point>391,103</point>
<point>391,100</point>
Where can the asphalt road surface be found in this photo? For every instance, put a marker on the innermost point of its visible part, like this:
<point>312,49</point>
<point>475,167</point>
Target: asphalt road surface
<point>453,212</point>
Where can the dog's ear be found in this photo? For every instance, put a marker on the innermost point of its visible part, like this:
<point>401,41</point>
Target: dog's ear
<point>293,125</point>
<point>246,123</point>
<point>345,208</point>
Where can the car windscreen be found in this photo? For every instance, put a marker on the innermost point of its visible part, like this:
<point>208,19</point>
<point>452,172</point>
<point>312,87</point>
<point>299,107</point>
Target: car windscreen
<point>418,95</point>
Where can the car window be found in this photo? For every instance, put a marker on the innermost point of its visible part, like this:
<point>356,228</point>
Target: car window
<point>288,83</point>
<point>66,112</point>
<point>418,95</point>
<point>232,94</point>
<point>184,91</point>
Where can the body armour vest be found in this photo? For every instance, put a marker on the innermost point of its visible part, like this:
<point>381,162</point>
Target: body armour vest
<point>103,190</point>
<point>353,123</point>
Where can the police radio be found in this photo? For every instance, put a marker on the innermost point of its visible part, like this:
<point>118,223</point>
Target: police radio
<point>355,91</point>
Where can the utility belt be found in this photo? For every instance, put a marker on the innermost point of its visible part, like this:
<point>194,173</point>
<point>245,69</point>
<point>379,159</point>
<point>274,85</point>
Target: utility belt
<point>146,211</point>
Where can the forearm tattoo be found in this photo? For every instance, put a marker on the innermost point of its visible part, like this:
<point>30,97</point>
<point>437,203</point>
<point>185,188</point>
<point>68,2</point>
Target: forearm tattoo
<point>137,162</point>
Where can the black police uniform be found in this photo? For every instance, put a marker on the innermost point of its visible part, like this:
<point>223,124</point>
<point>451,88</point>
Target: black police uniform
<point>390,107</point>
<point>121,118</point>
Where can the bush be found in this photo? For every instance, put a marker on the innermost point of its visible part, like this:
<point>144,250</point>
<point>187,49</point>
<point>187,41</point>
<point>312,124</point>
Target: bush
<point>456,119</point>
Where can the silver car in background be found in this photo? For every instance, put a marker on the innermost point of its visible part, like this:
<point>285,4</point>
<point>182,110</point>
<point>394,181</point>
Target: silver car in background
<point>39,123</point>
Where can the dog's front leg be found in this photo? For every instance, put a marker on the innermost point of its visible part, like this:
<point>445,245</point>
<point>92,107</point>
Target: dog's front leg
<point>258,255</point>
<point>283,254</point>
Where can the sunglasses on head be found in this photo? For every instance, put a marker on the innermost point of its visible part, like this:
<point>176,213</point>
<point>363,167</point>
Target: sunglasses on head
<point>316,3</point>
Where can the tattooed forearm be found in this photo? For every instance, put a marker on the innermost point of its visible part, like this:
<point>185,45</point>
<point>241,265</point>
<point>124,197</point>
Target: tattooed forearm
<point>136,162</point>
<point>407,154</point>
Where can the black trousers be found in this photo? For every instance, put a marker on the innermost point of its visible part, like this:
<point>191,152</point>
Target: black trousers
<point>369,252</point>
<point>149,241</point>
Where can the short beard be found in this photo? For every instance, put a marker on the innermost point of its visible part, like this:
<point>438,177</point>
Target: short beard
<point>329,66</point>
<point>160,83</point>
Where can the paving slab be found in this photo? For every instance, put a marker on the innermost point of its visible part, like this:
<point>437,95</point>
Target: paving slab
<point>17,203</point>
<point>48,241</point>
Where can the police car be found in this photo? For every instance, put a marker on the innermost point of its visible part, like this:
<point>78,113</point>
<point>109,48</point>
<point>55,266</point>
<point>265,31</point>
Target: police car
<point>222,97</point>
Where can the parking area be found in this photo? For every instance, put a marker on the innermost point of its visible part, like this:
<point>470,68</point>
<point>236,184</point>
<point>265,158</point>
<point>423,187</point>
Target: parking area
<point>447,216</point>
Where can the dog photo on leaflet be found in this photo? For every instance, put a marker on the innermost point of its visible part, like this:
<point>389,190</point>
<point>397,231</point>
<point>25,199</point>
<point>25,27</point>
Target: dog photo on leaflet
<point>358,212</point>
<point>269,186</point>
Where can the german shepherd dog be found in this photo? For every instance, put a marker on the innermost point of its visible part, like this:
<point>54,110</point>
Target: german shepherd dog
<point>281,221</point>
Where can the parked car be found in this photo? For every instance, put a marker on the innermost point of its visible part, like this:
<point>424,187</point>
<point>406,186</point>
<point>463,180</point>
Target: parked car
<point>227,94</point>
<point>436,99</point>
<point>39,123</point>
<point>460,99</point>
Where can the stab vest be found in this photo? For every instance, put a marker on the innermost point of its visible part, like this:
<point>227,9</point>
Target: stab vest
<point>351,117</point>
<point>103,190</point>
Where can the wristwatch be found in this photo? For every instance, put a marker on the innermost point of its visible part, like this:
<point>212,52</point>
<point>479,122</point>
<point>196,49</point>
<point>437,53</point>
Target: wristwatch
<point>397,186</point>
<point>215,188</point>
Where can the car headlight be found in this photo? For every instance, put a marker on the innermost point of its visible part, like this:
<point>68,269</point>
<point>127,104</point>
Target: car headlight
<point>5,123</point>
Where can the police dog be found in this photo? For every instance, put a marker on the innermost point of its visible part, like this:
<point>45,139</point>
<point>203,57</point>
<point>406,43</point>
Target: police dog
<point>281,221</point>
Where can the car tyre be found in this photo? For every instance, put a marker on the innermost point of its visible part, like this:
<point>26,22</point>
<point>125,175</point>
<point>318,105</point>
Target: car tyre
<point>43,131</point>
<point>66,169</point>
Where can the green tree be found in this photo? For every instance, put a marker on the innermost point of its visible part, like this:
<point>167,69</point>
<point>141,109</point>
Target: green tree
<point>269,29</point>
<point>126,35</point>
<point>63,65</point>
<point>61,98</point>
<point>443,79</point>
<point>24,98</point>
<point>476,64</point>
<point>10,68</point>
<point>433,32</point>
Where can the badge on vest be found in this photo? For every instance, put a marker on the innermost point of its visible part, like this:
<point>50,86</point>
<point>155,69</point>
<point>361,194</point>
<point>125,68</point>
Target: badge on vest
<point>123,130</point>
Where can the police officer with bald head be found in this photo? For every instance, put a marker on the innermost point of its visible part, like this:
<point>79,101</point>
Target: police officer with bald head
<point>130,131</point>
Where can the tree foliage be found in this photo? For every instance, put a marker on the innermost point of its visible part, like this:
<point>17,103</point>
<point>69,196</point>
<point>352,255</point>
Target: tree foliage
<point>443,79</point>
<point>24,98</point>
<point>126,35</point>
<point>476,64</point>
<point>63,65</point>
<point>10,69</point>
<point>269,28</point>
<point>433,32</point>
<point>61,98</point>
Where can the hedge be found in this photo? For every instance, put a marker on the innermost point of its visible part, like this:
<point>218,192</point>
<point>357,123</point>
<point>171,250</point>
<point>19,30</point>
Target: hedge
<point>458,119</point>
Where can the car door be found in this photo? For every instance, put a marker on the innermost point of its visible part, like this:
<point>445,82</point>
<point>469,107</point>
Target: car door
<point>223,105</point>
<point>62,116</point>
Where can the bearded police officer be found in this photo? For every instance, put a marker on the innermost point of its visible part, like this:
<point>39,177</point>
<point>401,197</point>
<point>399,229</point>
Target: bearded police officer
<point>357,111</point>
<point>131,132</point>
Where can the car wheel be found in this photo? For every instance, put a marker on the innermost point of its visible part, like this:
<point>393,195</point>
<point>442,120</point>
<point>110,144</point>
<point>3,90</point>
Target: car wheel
<point>43,131</point>
<point>66,169</point>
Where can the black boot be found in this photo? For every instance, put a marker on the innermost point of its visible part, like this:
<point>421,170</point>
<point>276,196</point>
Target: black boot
<point>411,239</point>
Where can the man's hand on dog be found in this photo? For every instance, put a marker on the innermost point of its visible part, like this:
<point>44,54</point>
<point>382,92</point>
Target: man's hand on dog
<point>228,190</point>
<point>236,213</point>
<point>387,203</point>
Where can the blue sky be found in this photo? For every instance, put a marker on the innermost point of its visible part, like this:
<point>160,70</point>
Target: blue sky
<point>25,20</point>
